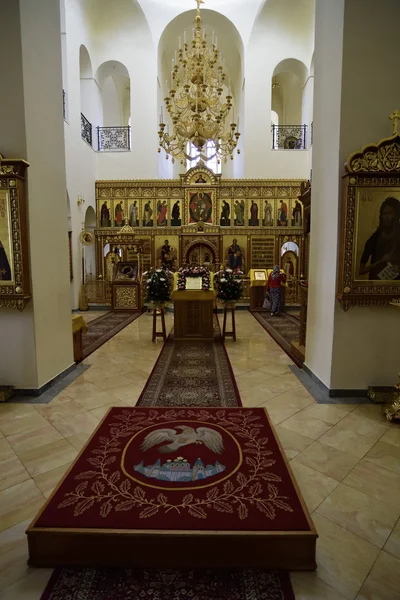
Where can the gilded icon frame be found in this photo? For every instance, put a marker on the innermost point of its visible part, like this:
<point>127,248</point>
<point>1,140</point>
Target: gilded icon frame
<point>15,283</point>
<point>367,276</point>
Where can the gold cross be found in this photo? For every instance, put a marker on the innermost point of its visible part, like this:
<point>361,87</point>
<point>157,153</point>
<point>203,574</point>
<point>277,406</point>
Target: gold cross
<point>198,4</point>
<point>395,117</point>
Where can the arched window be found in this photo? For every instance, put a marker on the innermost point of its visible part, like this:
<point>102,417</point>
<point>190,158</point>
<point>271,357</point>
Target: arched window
<point>212,163</point>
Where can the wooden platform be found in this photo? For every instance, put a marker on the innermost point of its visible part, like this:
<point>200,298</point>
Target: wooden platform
<point>207,542</point>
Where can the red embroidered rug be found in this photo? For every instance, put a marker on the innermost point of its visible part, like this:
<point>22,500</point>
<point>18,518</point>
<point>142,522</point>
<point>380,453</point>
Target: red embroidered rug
<point>168,487</point>
<point>205,469</point>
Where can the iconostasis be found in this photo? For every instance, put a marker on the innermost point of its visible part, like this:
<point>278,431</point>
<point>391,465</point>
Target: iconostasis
<point>199,219</point>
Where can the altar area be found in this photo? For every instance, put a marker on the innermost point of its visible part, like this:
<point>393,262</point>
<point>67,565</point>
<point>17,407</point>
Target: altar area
<point>198,219</point>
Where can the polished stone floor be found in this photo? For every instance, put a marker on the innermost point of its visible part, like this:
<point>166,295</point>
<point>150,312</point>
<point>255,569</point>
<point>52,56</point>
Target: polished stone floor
<point>346,459</point>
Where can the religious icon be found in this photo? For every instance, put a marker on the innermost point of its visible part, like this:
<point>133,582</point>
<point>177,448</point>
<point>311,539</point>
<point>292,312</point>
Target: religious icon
<point>119,215</point>
<point>239,212</point>
<point>147,214</point>
<point>200,207</point>
<point>267,220</point>
<point>126,271</point>
<point>288,267</point>
<point>235,256</point>
<point>134,214</point>
<point>283,214</point>
<point>296,215</point>
<point>86,238</point>
<point>105,220</point>
<point>167,259</point>
<point>5,269</point>
<point>162,213</point>
<point>253,221</point>
<point>378,236</point>
<point>200,179</point>
<point>6,262</point>
<point>176,215</point>
<point>225,219</point>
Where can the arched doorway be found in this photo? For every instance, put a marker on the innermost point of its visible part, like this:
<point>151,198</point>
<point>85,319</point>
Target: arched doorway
<point>201,253</point>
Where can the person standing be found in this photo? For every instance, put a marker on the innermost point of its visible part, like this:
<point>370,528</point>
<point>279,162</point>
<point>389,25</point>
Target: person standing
<point>275,281</point>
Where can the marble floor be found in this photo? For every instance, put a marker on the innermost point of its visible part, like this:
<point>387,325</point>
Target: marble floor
<point>346,459</point>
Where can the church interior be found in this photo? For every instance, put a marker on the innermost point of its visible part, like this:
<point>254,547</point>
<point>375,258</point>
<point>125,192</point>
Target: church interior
<point>199,294</point>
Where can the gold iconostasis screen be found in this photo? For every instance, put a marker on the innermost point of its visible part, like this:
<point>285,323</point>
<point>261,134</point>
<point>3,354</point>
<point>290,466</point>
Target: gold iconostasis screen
<point>202,204</point>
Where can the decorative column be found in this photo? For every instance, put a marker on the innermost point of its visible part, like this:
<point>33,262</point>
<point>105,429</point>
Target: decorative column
<point>348,351</point>
<point>39,340</point>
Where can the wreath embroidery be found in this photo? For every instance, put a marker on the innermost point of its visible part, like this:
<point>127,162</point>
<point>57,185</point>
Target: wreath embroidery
<point>102,485</point>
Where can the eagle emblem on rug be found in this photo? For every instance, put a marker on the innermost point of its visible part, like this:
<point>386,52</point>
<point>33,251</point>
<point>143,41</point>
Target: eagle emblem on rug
<point>188,435</point>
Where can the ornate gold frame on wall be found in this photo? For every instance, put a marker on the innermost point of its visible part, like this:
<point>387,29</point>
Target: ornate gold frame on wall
<point>12,179</point>
<point>375,168</point>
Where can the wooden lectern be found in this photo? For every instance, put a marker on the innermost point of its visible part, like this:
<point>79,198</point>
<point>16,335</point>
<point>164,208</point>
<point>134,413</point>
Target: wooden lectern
<point>193,315</point>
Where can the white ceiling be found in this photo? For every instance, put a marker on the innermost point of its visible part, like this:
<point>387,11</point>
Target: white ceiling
<point>242,13</point>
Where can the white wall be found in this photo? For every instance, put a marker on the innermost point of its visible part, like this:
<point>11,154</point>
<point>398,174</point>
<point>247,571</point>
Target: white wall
<point>367,339</point>
<point>354,349</point>
<point>281,32</point>
<point>39,341</point>
<point>80,157</point>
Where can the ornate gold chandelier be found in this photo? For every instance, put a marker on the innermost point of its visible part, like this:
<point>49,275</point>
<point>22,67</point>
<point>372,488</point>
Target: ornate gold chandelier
<point>195,103</point>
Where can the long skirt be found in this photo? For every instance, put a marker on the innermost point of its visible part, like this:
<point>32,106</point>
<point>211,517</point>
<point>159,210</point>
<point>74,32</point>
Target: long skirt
<point>275,300</point>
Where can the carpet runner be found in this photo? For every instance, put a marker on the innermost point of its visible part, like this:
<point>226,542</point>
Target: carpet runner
<point>129,584</point>
<point>192,374</point>
<point>284,329</point>
<point>103,328</point>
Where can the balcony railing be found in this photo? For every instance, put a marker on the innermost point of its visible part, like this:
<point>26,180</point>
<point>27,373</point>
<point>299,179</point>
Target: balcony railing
<point>86,130</point>
<point>113,139</point>
<point>289,137</point>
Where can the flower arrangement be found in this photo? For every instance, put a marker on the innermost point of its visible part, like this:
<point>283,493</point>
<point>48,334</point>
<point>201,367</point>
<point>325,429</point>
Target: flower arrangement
<point>158,285</point>
<point>229,285</point>
<point>202,272</point>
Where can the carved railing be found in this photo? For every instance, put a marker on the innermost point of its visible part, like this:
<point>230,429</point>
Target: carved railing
<point>292,295</point>
<point>98,292</point>
<point>289,137</point>
<point>86,130</point>
<point>246,289</point>
<point>113,139</point>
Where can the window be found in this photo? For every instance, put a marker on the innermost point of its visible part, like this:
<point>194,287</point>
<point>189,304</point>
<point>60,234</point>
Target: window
<point>210,151</point>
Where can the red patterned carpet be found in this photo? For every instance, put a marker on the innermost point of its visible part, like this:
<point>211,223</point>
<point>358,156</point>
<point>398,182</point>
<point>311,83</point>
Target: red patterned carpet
<point>103,328</point>
<point>284,329</point>
<point>192,374</point>
<point>129,584</point>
